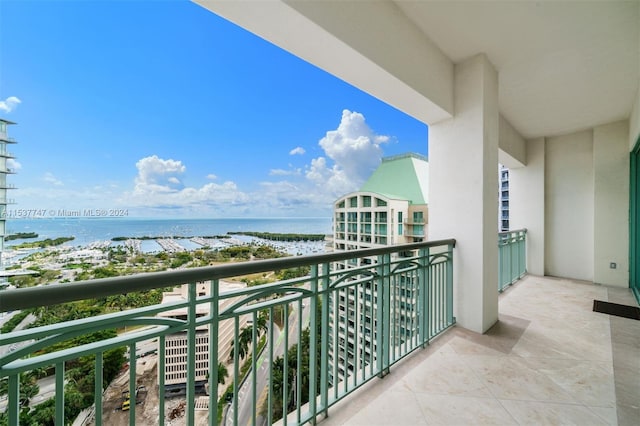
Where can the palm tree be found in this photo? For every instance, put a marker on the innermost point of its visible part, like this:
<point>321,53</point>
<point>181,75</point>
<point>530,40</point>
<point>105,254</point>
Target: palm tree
<point>244,339</point>
<point>223,373</point>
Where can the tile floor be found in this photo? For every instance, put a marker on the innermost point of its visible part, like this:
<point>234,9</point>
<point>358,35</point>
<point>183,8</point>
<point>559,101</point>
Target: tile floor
<point>549,360</point>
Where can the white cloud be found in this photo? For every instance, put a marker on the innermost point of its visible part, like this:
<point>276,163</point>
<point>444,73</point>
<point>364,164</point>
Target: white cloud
<point>352,153</point>
<point>13,164</point>
<point>282,172</point>
<point>297,151</point>
<point>355,150</point>
<point>51,179</point>
<point>154,172</point>
<point>158,185</point>
<point>9,104</point>
<point>211,176</point>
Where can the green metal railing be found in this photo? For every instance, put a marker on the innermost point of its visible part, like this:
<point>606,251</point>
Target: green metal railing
<point>512,255</point>
<point>331,331</point>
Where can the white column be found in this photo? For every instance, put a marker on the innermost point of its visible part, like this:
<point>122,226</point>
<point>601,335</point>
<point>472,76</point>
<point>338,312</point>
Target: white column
<point>526,203</point>
<point>463,191</point>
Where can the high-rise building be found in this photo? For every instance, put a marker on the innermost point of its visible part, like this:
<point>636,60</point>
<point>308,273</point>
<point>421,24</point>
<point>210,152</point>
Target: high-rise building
<point>5,155</point>
<point>390,208</point>
<point>175,353</point>
<point>503,197</point>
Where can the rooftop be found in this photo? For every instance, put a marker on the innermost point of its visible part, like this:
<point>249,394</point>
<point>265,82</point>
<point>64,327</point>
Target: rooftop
<point>401,176</point>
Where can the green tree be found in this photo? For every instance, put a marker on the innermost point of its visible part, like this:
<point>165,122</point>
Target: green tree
<point>223,373</point>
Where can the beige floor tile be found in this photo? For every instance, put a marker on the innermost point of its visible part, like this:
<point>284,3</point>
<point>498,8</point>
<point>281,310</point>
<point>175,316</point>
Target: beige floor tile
<point>457,410</point>
<point>392,408</point>
<point>541,413</point>
<point>558,342</point>
<point>467,347</point>
<point>511,378</point>
<point>608,414</point>
<point>590,383</point>
<point>444,372</point>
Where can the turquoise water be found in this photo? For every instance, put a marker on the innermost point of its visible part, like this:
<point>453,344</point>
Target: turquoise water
<point>87,230</point>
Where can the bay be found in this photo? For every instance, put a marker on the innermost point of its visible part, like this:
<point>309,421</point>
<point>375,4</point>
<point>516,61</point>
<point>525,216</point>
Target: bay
<point>90,230</point>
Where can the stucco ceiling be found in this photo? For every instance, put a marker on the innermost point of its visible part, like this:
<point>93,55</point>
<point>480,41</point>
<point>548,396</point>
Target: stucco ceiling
<point>563,66</point>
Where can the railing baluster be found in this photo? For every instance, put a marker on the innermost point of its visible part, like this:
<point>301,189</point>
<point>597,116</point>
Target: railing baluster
<point>285,372</point>
<point>132,383</point>
<point>213,351</point>
<point>254,372</point>
<point>59,393</point>
<point>511,257</point>
<point>13,398</point>
<point>161,381</point>
<point>97,396</point>
<point>271,360</point>
<point>191,355</point>
<point>313,373</point>
<point>324,341</point>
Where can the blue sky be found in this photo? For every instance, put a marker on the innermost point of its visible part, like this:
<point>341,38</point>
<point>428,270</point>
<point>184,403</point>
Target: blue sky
<point>165,109</point>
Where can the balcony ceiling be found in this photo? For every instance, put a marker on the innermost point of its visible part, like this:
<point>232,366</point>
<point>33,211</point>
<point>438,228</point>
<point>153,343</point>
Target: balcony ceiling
<point>563,66</point>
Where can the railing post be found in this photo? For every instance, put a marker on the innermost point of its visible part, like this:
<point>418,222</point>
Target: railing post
<point>383,314</point>
<point>213,352</point>
<point>450,316</point>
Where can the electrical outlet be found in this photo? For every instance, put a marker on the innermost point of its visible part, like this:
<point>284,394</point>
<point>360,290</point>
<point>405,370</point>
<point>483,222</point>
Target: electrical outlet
<point>613,265</point>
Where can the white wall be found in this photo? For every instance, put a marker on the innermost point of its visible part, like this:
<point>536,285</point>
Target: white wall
<point>611,203</point>
<point>463,196</point>
<point>569,206</point>
<point>526,203</point>
<point>513,150</point>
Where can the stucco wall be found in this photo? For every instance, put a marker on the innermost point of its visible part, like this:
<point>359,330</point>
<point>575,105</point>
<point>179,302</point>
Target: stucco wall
<point>611,204</point>
<point>526,205</point>
<point>463,196</point>
<point>569,206</point>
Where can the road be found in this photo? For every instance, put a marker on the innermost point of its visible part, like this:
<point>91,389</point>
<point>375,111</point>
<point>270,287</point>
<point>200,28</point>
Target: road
<point>245,399</point>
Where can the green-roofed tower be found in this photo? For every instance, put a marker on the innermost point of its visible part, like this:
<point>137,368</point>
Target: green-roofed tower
<point>401,177</point>
<point>390,208</point>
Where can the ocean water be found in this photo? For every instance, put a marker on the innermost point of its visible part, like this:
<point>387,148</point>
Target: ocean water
<point>89,230</point>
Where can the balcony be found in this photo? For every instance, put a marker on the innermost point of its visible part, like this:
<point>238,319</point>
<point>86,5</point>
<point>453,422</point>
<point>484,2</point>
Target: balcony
<point>414,304</point>
<point>549,360</point>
